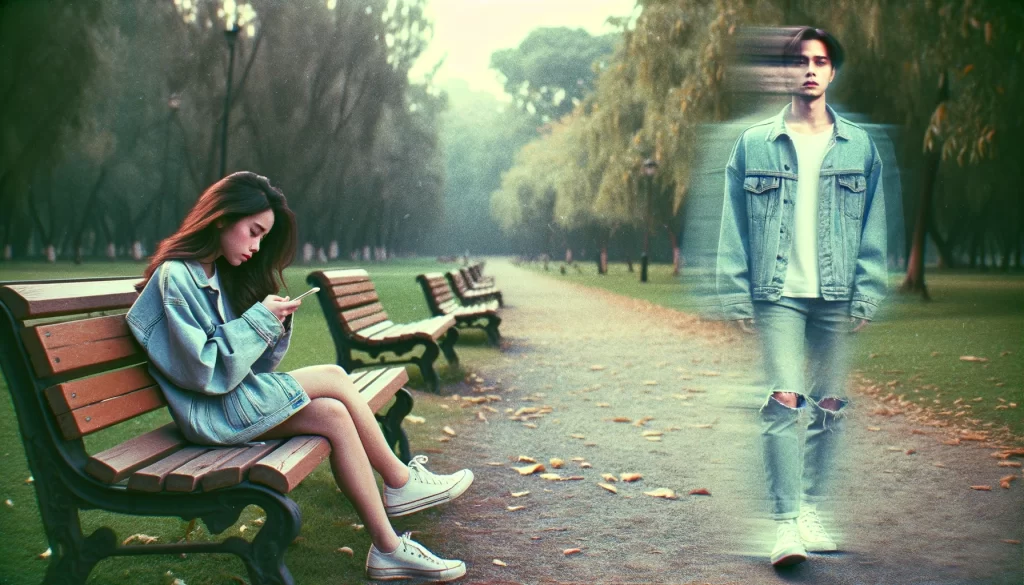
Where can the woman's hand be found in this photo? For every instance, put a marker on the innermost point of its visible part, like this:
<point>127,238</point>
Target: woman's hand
<point>281,307</point>
<point>745,326</point>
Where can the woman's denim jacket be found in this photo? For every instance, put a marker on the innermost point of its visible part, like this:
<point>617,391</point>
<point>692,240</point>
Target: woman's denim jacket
<point>757,219</point>
<point>216,371</point>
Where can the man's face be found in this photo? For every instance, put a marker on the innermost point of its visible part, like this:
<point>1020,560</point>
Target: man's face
<point>812,70</point>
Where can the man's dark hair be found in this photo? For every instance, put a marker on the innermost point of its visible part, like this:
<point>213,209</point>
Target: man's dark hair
<point>835,50</point>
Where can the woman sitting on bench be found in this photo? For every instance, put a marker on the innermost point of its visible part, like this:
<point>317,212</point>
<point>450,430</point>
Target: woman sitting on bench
<point>214,329</point>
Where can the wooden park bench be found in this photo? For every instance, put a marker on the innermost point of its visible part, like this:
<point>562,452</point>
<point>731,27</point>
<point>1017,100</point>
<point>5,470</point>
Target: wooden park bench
<point>73,369</point>
<point>469,295</point>
<point>442,302</point>
<point>476,273</point>
<point>358,323</point>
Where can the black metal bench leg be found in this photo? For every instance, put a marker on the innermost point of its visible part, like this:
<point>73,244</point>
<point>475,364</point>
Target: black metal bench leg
<point>78,558</point>
<point>265,558</point>
<point>448,346</point>
<point>426,365</point>
<point>391,424</point>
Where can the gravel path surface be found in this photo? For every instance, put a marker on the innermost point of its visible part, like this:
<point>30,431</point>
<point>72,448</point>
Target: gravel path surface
<point>585,358</point>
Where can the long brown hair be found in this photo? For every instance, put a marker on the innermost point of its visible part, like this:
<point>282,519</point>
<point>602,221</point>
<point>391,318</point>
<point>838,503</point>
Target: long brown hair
<point>230,199</point>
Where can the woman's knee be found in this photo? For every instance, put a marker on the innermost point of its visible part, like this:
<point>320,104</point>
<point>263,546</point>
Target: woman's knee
<point>329,411</point>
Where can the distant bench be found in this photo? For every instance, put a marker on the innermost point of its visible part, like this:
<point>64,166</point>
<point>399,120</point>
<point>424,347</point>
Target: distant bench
<point>72,373</point>
<point>469,294</point>
<point>442,302</point>
<point>359,323</point>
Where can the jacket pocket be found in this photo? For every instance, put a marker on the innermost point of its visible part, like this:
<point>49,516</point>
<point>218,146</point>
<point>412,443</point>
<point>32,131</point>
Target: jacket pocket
<point>851,192</point>
<point>763,193</point>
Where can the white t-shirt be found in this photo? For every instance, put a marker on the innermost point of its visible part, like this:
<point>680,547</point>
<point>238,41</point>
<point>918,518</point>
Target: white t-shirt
<point>215,283</point>
<point>802,277</point>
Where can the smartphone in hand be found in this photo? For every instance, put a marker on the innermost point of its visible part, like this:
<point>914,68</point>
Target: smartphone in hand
<point>308,292</point>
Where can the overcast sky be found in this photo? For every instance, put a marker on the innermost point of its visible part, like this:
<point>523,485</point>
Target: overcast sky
<point>468,31</point>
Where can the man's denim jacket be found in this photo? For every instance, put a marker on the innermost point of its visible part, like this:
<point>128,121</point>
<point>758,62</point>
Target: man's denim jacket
<point>757,219</point>
<point>216,371</point>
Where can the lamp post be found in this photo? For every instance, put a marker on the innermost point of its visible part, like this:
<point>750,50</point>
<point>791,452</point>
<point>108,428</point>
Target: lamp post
<point>230,34</point>
<point>650,167</point>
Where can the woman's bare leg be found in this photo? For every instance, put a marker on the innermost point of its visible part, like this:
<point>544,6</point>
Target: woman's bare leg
<point>330,381</point>
<point>330,418</point>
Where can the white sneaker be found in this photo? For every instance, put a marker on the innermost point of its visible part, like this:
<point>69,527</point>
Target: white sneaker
<point>411,560</point>
<point>812,533</point>
<point>424,489</point>
<point>788,548</point>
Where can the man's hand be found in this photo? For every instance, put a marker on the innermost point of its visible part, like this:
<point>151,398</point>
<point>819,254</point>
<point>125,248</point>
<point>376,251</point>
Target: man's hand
<point>858,323</point>
<point>745,325</point>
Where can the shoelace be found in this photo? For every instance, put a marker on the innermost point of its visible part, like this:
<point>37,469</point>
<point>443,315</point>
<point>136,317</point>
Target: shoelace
<point>408,543</point>
<point>811,523</point>
<point>421,473</point>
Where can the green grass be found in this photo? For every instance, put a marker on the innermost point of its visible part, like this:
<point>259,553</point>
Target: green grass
<point>327,515</point>
<point>970,314</point>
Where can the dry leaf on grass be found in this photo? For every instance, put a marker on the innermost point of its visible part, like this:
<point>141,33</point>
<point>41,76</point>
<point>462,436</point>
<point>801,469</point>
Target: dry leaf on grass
<point>550,476</point>
<point>519,494</point>
<point>514,508</point>
<point>651,434</point>
<point>499,562</point>
<point>1004,482</point>
<point>29,479</point>
<point>358,527</point>
<point>700,492</point>
<point>982,488</point>
<point>630,477</point>
<point>662,493</point>
<point>556,462</point>
<point>572,551</point>
<point>527,410</point>
<point>448,431</point>
<point>45,554</point>
<point>526,459</point>
<point>609,487</point>
<point>596,368</point>
<point>577,436</point>
<point>530,425</point>
<point>973,358</point>
<point>602,405</point>
<point>9,503</point>
<point>874,429</point>
<point>412,418</point>
<point>480,416</point>
<point>1011,541</point>
<point>142,538</point>
<point>530,469</point>
<point>643,421</point>
<point>609,477</point>
<point>650,382</point>
<point>346,550</point>
<point>621,419</point>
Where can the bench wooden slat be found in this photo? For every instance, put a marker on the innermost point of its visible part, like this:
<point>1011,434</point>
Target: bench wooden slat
<point>290,463</point>
<point>233,471</point>
<point>357,300</point>
<point>187,477</point>
<point>60,348</point>
<point>346,276</point>
<point>34,301</point>
<point>395,332</point>
<point>95,417</point>
<point>376,328</point>
<point>358,325</point>
<point>120,461</point>
<point>365,310</point>
<point>380,391</point>
<point>354,288</point>
<point>71,395</point>
<point>151,478</point>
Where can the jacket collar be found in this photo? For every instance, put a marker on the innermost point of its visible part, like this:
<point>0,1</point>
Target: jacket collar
<point>198,274</point>
<point>778,128</point>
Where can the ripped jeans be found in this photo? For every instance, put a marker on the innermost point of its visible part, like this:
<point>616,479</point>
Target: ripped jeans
<point>798,334</point>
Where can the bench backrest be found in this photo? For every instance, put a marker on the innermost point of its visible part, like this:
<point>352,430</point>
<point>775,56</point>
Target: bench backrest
<point>70,371</point>
<point>351,295</point>
<point>437,292</point>
<point>458,281</point>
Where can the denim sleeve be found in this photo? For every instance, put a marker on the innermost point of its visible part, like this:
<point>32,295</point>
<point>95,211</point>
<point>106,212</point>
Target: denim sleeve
<point>870,277</point>
<point>217,361</point>
<point>732,270</point>
<point>271,358</point>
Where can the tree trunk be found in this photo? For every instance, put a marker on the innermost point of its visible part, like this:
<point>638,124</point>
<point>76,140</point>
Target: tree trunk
<point>914,282</point>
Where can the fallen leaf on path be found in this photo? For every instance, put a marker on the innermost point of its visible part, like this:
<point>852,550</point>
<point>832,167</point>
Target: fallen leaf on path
<point>953,442</point>
<point>495,464</point>
<point>572,551</point>
<point>578,459</point>
<point>609,477</point>
<point>514,508</point>
<point>973,437</point>
<point>621,419</point>
<point>519,494</point>
<point>874,429</point>
<point>662,493</point>
<point>448,431</point>
<point>982,488</point>
<point>911,451</point>
<point>1009,464</point>
<point>609,487</point>
<point>550,476</point>
<point>650,382</point>
<point>943,465</point>
<point>143,538</point>
<point>596,368</point>
<point>630,477</point>
<point>585,465</point>
<point>499,562</point>
<point>653,439</point>
<point>602,405</point>
<point>480,416</point>
<point>1011,541</point>
<point>973,358</point>
<point>530,469</point>
<point>530,425</point>
<point>700,492</point>
<point>556,463</point>
<point>1004,482</point>
<point>917,432</point>
<point>651,434</point>
<point>577,436</point>
<point>346,550</point>
<point>527,410</point>
<point>703,426</point>
<point>643,421</point>
<point>526,459</point>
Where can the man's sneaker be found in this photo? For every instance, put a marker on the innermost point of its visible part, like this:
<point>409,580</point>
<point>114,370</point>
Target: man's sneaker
<point>411,560</point>
<point>424,489</point>
<point>812,533</point>
<point>788,548</point>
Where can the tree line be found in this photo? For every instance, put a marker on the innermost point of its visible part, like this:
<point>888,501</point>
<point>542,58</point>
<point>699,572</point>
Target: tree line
<point>113,117</point>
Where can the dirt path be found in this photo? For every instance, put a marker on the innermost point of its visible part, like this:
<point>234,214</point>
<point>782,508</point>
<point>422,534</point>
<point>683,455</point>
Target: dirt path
<point>899,518</point>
